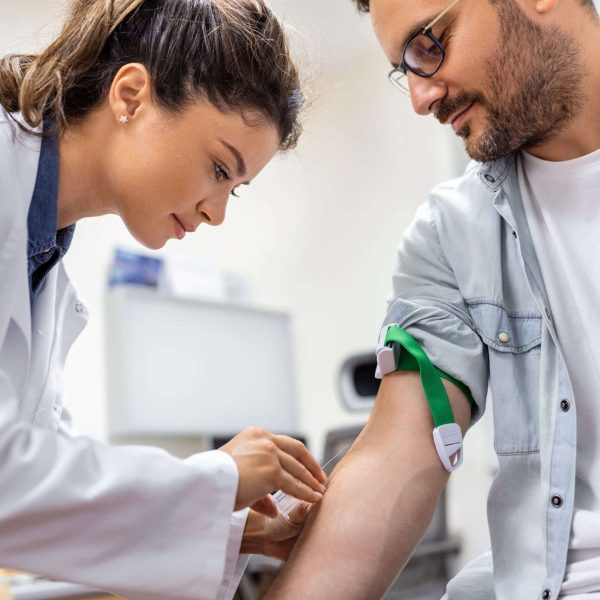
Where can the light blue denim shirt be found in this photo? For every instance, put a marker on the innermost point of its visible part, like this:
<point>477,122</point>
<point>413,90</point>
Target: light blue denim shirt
<point>468,287</point>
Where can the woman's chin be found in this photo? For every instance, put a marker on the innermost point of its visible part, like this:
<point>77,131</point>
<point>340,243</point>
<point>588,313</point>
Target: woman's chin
<point>151,242</point>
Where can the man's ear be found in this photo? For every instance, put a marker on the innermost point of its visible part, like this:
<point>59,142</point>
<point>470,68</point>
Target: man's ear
<point>543,7</point>
<point>130,92</point>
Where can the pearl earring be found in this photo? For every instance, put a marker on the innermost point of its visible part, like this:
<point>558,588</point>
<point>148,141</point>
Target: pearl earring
<point>124,119</point>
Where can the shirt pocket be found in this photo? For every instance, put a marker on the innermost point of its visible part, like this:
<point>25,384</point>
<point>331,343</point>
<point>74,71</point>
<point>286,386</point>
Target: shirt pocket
<point>513,340</point>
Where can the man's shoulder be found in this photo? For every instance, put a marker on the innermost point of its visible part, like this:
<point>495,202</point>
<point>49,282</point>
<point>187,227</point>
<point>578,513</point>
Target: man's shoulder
<point>468,200</point>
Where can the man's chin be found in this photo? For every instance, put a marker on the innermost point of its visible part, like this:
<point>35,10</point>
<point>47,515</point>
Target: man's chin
<point>482,148</point>
<point>472,146</point>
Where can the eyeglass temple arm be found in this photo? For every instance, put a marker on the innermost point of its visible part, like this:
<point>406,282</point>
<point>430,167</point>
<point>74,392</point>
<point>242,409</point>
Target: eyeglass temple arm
<point>428,27</point>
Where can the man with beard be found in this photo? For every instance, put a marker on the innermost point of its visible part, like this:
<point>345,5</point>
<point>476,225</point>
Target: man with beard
<point>497,285</point>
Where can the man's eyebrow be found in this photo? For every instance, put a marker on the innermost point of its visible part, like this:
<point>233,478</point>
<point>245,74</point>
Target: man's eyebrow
<point>241,164</point>
<point>413,31</point>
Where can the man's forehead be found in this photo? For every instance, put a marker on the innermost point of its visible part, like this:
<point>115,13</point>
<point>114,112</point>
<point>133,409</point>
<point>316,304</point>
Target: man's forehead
<point>393,20</point>
<point>405,13</point>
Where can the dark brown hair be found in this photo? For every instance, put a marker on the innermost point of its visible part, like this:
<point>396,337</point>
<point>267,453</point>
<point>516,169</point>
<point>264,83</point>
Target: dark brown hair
<point>233,53</point>
<point>365,5</point>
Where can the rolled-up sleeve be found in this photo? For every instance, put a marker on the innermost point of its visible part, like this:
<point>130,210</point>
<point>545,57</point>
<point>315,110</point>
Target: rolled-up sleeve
<point>427,302</point>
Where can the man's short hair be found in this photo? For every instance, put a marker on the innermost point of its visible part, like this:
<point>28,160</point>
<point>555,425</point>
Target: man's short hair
<point>364,5</point>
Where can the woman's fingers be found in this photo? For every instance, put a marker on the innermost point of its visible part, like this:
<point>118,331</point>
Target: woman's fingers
<point>300,452</point>
<point>299,515</point>
<point>266,506</point>
<point>294,487</point>
<point>299,471</point>
<point>266,462</point>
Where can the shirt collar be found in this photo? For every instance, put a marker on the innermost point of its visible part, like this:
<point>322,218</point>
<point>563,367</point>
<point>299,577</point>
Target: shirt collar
<point>42,221</point>
<point>493,174</point>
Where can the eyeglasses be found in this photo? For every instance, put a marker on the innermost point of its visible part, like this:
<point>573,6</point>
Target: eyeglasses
<point>423,55</point>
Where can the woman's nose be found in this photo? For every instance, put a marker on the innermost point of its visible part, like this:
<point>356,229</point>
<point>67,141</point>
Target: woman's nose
<point>213,210</point>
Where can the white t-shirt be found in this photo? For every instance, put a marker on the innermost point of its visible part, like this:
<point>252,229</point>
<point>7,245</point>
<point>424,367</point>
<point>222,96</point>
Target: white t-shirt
<point>562,204</point>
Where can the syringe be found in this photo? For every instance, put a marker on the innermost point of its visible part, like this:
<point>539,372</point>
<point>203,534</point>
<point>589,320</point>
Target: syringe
<point>286,503</point>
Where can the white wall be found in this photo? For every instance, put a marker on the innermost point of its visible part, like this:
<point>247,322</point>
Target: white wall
<point>315,234</point>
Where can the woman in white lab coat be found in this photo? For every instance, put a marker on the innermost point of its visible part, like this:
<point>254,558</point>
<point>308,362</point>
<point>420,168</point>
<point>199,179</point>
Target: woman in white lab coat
<point>155,110</point>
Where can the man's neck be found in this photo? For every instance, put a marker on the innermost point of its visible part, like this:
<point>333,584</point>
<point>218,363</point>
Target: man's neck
<point>581,136</point>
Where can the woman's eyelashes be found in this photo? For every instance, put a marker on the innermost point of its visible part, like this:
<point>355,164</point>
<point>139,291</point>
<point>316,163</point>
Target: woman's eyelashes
<point>222,174</point>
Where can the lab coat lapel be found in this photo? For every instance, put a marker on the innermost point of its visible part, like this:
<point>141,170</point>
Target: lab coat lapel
<point>20,160</point>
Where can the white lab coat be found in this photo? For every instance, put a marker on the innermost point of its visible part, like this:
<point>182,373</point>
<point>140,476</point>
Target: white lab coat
<point>134,521</point>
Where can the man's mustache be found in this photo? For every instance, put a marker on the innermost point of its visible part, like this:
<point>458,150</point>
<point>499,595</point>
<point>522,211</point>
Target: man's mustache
<point>449,107</point>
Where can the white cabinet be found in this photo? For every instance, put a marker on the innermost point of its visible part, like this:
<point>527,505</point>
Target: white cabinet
<point>188,367</point>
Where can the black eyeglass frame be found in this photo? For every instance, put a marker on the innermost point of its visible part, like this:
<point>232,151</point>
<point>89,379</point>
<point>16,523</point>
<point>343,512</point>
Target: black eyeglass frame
<point>398,73</point>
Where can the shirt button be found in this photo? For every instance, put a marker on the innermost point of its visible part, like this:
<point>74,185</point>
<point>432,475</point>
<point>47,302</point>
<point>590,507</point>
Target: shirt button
<point>514,234</point>
<point>504,337</point>
<point>490,178</point>
<point>78,307</point>
<point>546,595</point>
<point>565,405</point>
<point>548,314</point>
<point>557,501</point>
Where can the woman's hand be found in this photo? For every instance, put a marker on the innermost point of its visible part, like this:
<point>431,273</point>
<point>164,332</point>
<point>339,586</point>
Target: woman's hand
<point>274,537</point>
<point>268,462</point>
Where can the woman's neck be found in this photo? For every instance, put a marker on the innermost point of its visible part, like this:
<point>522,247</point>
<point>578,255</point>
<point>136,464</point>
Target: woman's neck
<point>81,191</point>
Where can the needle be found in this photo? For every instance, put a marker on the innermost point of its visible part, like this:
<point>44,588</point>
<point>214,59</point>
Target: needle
<point>332,459</point>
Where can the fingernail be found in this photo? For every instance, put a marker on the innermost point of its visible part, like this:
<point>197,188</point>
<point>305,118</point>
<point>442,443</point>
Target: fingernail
<point>323,489</point>
<point>318,496</point>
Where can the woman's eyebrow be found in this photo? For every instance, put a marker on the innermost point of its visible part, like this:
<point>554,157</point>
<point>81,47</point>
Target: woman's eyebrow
<point>241,164</point>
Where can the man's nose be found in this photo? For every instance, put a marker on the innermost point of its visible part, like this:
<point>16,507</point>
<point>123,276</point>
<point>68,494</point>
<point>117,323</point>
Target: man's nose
<point>425,93</point>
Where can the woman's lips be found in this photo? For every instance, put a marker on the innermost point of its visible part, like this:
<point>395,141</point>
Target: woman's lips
<point>179,228</point>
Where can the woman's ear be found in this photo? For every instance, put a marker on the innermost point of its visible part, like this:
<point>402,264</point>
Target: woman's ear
<point>130,92</point>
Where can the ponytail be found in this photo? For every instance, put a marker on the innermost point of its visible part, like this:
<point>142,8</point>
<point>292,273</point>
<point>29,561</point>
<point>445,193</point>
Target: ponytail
<point>232,53</point>
<point>36,84</point>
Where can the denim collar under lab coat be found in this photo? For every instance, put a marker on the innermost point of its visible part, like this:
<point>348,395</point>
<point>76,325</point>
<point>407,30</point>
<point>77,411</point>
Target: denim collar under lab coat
<point>46,246</point>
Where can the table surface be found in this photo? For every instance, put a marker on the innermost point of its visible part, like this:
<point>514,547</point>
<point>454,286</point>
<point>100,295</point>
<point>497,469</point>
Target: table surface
<point>53,590</point>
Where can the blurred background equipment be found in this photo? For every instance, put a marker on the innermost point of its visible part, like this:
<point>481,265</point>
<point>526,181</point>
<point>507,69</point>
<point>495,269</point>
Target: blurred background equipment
<point>179,367</point>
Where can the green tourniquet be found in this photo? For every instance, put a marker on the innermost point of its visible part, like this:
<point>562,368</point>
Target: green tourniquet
<point>415,359</point>
<point>407,362</point>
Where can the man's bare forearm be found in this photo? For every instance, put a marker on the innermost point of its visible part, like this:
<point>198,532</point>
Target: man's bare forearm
<point>379,503</point>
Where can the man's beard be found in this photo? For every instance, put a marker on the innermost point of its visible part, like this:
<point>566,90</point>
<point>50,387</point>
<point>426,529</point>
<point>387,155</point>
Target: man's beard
<point>535,88</point>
